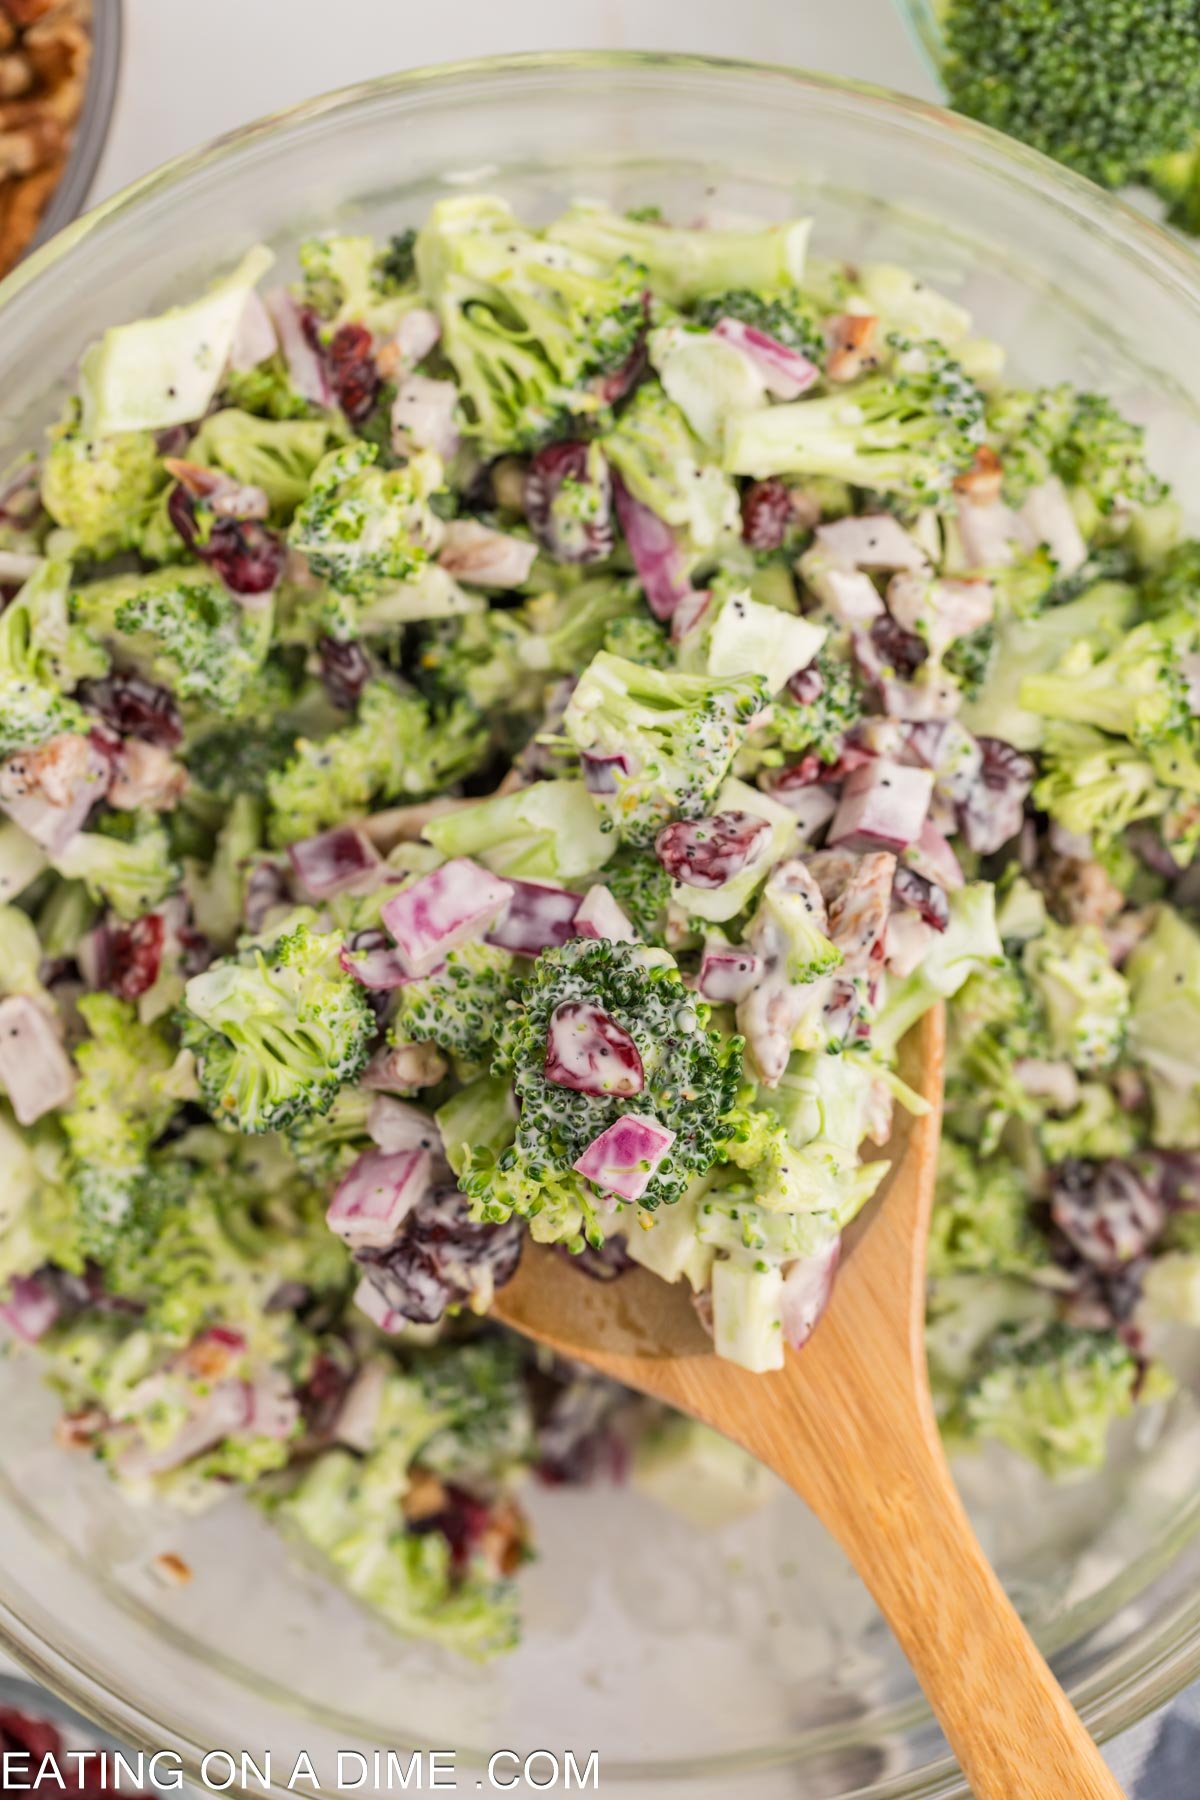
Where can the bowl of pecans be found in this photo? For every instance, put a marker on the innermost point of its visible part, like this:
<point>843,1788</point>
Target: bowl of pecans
<point>58,77</point>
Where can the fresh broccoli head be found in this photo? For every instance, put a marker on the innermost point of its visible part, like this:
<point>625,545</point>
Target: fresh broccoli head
<point>654,451</point>
<point>365,529</point>
<point>688,265</point>
<point>266,391</point>
<point>1051,1394</point>
<point>346,279</point>
<point>1107,88</point>
<point>819,724</point>
<point>461,1005</point>
<point>533,330</point>
<point>33,630</point>
<point>1164,1026</point>
<point>276,1032</point>
<point>1136,690</point>
<point>278,456</point>
<point>181,627</point>
<point>1079,437</point>
<point>395,749</point>
<point>128,863</point>
<point>907,430</point>
<point>981,1217</point>
<point>691,1078</point>
<point>101,489</point>
<point>641,887</point>
<point>1094,784</point>
<point>1084,1000</point>
<point>122,1102</point>
<point>666,740</point>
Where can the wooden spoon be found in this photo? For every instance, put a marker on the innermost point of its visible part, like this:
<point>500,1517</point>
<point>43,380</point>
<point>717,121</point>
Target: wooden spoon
<point>849,1424</point>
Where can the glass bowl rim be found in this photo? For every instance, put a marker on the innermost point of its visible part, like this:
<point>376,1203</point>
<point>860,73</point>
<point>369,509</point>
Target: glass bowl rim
<point>1132,1692</point>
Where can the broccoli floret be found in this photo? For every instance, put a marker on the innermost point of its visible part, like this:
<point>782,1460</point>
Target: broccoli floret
<point>654,451</point>
<point>345,278</point>
<point>276,1032</point>
<point>39,1215</point>
<point>238,759</point>
<point>993,1020</point>
<point>1084,1000</point>
<point>127,863</point>
<point>460,1005</point>
<point>36,654</point>
<point>101,489</point>
<point>1080,437</point>
<point>266,391</point>
<point>182,627</point>
<point>672,736</point>
<point>1107,88</point>
<point>1164,1027</point>
<point>687,265</point>
<point>1096,1128</point>
<point>549,831</point>
<point>1051,1394</point>
<point>277,455</point>
<point>641,887</point>
<point>981,1221</point>
<point>122,1102</point>
<point>396,748</point>
<point>20,954</point>
<point>365,529</point>
<point>906,430</point>
<point>819,725</point>
<point>1137,690</point>
<point>216,888</point>
<point>1176,179</point>
<point>786,316</point>
<point>691,1075</point>
<point>639,639</point>
<point>396,267</point>
<point>530,328</point>
<point>1094,784</point>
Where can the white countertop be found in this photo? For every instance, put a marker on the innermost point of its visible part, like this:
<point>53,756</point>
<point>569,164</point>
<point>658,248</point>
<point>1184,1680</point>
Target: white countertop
<point>190,72</point>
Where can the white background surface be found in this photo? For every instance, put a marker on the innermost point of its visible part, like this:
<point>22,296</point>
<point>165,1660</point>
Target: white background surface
<point>195,68</point>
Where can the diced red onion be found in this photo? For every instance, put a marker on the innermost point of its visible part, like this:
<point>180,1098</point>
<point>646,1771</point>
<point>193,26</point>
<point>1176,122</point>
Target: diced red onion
<point>447,907</point>
<point>600,916</point>
<point>848,593</point>
<point>305,366</point>
<point>907,942</point>
<point>394,1125</point>
<point>399,1067</point>
<point>623,1159</point>
<point>727,973</point>
<point>588,1052</point>
<point>480,557</point>
<point>883,806</point>
<point>34,1068</point>
<point>370,1301</point>
<point>373,964</point>
<point>1046,518</point>
<point>376,1195</point>
<point>786,372</point>
<point>538,917</point>
<point>335,861</point>
<point>254,340</point>
<point>657,557</point>
<point>988,534</point>
<point>807,1285</point>
<point>30,1309</point>
<point>1056,1082</point>
<point>423,417</point>
<point>689,612</point>
<point>874,541</point>
<point>600,772</point>
<point>272,1409</point>
<point>357,1420</point>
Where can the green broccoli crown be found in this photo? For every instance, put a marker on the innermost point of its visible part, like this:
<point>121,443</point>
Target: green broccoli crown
<point>33,634</point>
<point>641,887</point>
<point>1137,690</point>
<point>1106,86</point>
<point>907,430</point>
<point>787,316</point>
<point>461,1005</point>
<point>277,455</point>
<point>1085,1001</point>
<point>120,1105</point>
<point>1051,1394</point>
<point>266,391</point>
<point>1080,437</point>
<point>276,1033</point>
<point>238,759</point>
<point>640,640</point>
<point>530,328</point>
<point>1093,783</point>
<point>981,1219</point>
<point>184,627</point>
<point>101,489</point>
<point>127,862</point>
<point>658,457</point>
<point>395,749</point>
<point>818,725</point>
<point>364,528</point>
<point>1174,589</point>
<point>396,266</point>
<point>480,1390</point>
<point>674,737</point>
<point>692,1078</point>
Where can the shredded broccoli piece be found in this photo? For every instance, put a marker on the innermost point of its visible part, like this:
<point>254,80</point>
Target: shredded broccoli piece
<point>981,1219</point>
<point>1084,1000</point>
<point>266,391</point>
<point>1164,985</point>
<point>36,655</point>
<point>276,1032</point>
<point>818,725</point>
<point>364,528</point>
<point>238,759</point>
<point>101,489</point>
<point>641,887</point>
<point>277,455</point>
<point>461,1005</point>
<point>132,872</point>
<point>674,737</point>
<point>1051,1394</point>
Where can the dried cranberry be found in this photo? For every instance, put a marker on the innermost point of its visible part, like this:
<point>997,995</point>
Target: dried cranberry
<point>462,1522</point>
<point>133,956</point>
<point>807,685</point>
<point>924,897</point>
<point>345,671</point>
<point>1108,1212</point>
<point>136,708</point>
<point>993,811</point>
<point>706,853</point>
<point>246,554</point>
<point>590,1053</point>
<point>568,502</point>
<point>37,1738</point>
<point>322,1395</point>
<point>603,1262</point>
<point>766,514</point>
<point>443,1258</point>
<point>1107,1299</point>
<point>901,652</point>
<point>352,371</point>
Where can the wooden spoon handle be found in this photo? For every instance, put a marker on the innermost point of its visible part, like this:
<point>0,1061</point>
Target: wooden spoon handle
<point>1015,1733</point>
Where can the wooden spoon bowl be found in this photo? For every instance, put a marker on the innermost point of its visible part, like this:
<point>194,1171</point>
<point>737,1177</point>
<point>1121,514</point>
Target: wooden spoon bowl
<point>849,1424</point>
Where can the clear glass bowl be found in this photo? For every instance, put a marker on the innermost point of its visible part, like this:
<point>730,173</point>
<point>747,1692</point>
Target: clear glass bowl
<point>678,1657</point>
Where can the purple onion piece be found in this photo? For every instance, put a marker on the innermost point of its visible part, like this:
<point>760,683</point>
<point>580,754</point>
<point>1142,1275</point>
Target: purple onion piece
<point>538,918</point>
<point>334,861</point>
<point>622,1160</point>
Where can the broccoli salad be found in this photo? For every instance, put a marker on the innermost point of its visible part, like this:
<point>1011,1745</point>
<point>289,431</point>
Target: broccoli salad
<point>503,735</point>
